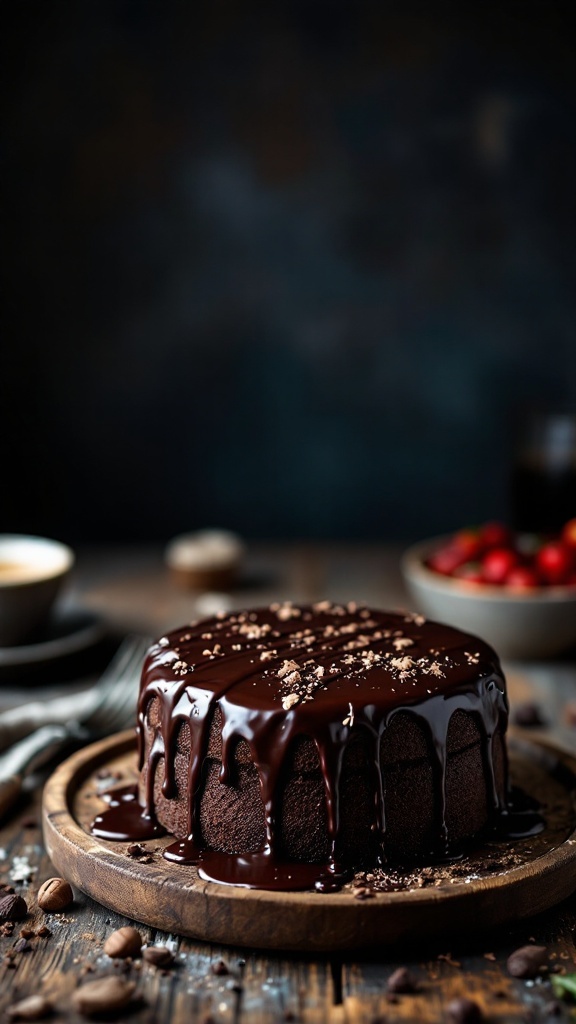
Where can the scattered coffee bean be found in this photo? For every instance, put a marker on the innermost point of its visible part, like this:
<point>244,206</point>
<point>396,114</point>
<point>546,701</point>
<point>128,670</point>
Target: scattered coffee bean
<point>402,982</point>
<point>527,962</point>
<point>219,967</point>
<point>136,850</point>
<point>160,956</point>
<point>27,933</point>
<point>528,715</point>
<point>124,942</point>
<point>103,996</point>
<point>55,895</point>
<point>32,1008</point>
<point>463,1011</point>
<point>44,932</point>
<point>13,908</point>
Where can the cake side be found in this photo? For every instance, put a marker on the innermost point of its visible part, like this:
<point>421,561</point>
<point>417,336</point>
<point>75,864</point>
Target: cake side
<point>328,734</point>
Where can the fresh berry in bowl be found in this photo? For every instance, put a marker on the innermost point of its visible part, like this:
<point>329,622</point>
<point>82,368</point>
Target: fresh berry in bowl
<point>493,554</point>
<point>515,590</point>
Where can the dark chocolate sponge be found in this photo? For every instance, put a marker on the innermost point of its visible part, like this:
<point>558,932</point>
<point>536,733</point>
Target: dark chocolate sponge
<point>328,735</point>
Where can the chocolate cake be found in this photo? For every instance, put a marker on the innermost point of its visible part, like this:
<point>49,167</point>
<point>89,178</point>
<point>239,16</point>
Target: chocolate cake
<point>287,745</point>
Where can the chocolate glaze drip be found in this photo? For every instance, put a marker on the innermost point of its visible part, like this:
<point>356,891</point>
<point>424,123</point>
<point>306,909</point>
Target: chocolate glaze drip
<point>323,672</point>
<point>125,820</point>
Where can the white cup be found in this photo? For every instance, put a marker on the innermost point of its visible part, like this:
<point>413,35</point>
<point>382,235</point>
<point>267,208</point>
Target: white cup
<point>32,570</point>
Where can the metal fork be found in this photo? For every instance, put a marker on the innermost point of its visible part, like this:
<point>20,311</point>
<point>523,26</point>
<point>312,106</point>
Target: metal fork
<point>106,708</point>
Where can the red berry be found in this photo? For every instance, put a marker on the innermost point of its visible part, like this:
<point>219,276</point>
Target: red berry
<point>497,563</point>
<point>468,542</point>
<point>446,560</point>
<point>470,571</point>
<point>555,562</point>
<point>521,577</point>
<point>569,534</point>
<point>495,535</point>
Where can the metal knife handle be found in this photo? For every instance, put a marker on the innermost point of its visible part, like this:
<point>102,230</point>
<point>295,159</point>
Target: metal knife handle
<point>38,748</point>
<point>10,790</point>
<point>26,718</point>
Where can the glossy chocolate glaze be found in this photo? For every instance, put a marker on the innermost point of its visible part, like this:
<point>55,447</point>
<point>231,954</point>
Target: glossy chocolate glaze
<point>323,672</point>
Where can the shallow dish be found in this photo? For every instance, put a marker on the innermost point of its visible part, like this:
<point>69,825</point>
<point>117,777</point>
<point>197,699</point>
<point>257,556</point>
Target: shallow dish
<point>69,630</point>
<point>518,624</point>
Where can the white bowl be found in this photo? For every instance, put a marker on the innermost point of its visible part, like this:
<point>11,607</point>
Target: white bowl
<point>518,624</point>
<point>32,570</point>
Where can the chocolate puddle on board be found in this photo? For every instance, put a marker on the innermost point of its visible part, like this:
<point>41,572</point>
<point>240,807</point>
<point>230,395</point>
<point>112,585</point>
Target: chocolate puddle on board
<point>551,791</point>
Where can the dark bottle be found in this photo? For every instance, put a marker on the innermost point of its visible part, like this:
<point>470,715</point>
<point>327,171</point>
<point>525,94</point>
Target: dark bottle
<point>543,479</point>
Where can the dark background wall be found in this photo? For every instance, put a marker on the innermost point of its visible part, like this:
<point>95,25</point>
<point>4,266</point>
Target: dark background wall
<point>291,267</point>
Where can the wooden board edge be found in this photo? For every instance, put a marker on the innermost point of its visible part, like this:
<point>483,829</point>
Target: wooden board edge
<point>387,918</point>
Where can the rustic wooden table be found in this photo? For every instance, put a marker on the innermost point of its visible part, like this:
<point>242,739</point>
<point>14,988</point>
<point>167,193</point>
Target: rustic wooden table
<point>132,590</point>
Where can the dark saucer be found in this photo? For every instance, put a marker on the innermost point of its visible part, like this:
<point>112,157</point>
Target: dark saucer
<point>71,630</point>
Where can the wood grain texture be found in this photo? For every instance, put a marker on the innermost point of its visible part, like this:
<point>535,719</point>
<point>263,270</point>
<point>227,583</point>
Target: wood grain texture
<point>172,897</point>
<point>132,589</point>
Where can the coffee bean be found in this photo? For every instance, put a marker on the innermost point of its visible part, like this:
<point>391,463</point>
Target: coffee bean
<point>527,962</point>
<point>55,895</point>
<point>402,981</point>
<point>219,967</point>
<point>124,942</point>
<point>160,956</point>
<point>463,1011</point>
<point>104,995</point>
<point>13,908</point>
<point>135,850</point>
<point>32,1008</point>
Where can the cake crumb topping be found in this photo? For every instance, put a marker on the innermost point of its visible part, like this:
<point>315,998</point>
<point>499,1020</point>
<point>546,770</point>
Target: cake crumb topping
<point>414,617</point>
<point>286,667</point>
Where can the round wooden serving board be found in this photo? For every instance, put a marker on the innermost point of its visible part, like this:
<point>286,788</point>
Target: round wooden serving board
<point>515,881</point>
